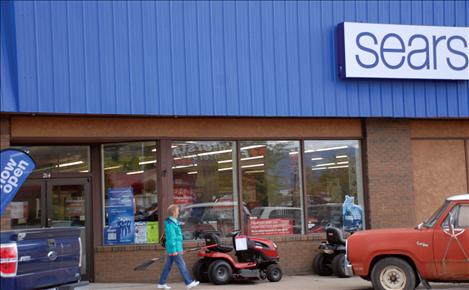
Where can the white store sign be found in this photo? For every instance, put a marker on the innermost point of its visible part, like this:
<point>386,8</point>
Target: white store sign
<point>403,51</point>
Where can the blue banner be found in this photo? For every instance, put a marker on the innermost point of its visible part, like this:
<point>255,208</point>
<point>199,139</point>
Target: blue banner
<point>16,166</point>
<point>121,229</point>
<point>352,215</point>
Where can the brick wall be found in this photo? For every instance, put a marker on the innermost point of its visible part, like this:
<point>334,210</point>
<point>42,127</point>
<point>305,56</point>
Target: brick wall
<point>391,201</point>
<point>5,143</point>
<point>115,264</point>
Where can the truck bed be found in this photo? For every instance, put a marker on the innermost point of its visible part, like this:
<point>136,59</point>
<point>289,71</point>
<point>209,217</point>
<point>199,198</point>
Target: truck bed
<point>46,257</point>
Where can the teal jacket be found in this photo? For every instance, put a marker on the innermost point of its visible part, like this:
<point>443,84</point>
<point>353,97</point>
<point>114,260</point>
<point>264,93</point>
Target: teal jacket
<point>174,239</point>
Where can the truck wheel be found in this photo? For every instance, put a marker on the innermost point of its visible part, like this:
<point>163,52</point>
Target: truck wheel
<point>338,265</point>
<point>393,274</point>
<point>321,265</point>
<point>220,272</point>
<point>200,271</point>
<point>274,273</point>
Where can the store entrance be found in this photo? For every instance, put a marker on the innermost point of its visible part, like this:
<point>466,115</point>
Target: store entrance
<point>55,203</point>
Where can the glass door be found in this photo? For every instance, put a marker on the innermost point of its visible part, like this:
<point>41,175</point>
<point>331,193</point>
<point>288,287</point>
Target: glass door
<point>67,207</point>
<point>55,203</point>
<point>27,208</point>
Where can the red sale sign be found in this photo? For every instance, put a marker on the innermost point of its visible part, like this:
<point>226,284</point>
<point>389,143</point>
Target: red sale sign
<point>270,227</point>
<point>182,195</point>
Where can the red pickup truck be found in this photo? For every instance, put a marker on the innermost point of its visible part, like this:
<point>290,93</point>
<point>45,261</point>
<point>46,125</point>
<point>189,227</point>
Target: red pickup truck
<point>437,250</point>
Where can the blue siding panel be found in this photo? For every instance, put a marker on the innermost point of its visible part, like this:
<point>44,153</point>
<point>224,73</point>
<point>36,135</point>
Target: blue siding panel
<point>304,54</point>
<point>92,73</point>
<point>268,58</point>
<point>210,58</point>
<point>106,49</point>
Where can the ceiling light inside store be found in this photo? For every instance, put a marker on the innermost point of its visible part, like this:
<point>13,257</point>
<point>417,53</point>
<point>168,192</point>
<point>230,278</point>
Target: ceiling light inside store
<point>225,161</point>
<point>252,147</point>
<point>185,157</point>
<point>225,169</point>
<point>332,148</point>
<point>342,162</point>
<point>253,165</point>
<point>252,158</point>
<point>112,167</point>
<point>319,168</point>
<point>147,162</point>
<point>324,149</point>
<point>341,166</point>
<point>325,164</point>
<point>153,150</point>
<point>293,153</point>
<point>84,171</point>
<point>253,171</point>
<point>134,172</point>
<point>184,166</point>
<point>316,158</point>
<point>192,172</point>
<point>70,164</point>
<point>341,156</point>
<point>214,152</point>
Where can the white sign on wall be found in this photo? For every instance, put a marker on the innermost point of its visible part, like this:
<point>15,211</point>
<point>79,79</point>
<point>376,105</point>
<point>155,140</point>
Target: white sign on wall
<point>403,51</point>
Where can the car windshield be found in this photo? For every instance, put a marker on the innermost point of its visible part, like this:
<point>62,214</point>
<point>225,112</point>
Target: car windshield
<point>432,220</point>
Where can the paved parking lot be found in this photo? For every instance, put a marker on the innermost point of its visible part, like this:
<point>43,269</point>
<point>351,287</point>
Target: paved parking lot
<point>292,282</point>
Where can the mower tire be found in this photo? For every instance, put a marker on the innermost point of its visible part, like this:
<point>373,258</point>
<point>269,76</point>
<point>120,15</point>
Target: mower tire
<point>321,265</point>
<point>200,271</point>
<point>220,272</point>
<point>338,266</point>
<point>274,273</point>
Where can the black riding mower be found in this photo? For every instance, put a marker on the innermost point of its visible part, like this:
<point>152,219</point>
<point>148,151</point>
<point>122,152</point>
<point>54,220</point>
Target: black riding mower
<point>331,259</point>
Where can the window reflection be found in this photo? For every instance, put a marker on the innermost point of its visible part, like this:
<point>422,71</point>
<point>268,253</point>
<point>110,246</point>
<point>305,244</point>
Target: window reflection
<point>25,208</point>
<point>204,180</point>
<point>271,187</point>
<point>60,159</point>
<point>332,171</point>
<point>131,199</point>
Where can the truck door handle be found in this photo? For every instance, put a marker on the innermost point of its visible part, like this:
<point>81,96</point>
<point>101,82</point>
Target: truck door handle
<point>52,255</point>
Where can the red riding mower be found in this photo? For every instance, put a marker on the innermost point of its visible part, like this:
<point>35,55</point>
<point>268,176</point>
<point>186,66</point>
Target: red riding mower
<point>256,259</point>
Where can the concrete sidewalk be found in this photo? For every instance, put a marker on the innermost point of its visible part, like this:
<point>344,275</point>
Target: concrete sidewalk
<point>308,282</point>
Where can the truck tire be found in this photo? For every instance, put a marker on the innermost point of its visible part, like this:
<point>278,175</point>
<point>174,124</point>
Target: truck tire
<point>321,265</point>
<point>338,265</point>
<point>393,274</point>
<point>220,272</point>
<point>274,273</point>
<point>200,271</point>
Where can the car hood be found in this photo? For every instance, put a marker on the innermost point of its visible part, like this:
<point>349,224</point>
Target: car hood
<point>392,231</point>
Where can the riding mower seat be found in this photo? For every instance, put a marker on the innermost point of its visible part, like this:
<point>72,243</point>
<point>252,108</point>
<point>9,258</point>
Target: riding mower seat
<point>214,239</point>
<point>334,236</point>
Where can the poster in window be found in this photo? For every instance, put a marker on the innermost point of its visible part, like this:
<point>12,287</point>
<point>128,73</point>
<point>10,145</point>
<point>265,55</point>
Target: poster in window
<point>141,232</point>
<point>153,232</point>
<point>271,227</point>
<point>121,214</point>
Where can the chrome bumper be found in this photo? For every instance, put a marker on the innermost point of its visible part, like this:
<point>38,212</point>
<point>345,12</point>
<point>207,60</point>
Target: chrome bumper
<point>347,266</point>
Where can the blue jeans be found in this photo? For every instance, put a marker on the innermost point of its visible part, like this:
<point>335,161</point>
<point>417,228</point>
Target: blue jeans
<point>182,268</point>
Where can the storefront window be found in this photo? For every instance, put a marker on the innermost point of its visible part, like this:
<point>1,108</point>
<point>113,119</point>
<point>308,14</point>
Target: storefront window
<point>271,187</point>
<point>204,176</point>
<point>25,209</point>
<point>332,172</point>
<point>131,200</point>
<point>60,159</point>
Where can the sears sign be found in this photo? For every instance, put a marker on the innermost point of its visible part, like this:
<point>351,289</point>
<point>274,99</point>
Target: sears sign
<point>402,51</point>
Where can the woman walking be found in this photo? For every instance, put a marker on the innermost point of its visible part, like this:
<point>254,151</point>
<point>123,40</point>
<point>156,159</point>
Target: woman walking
<point>174,249</point>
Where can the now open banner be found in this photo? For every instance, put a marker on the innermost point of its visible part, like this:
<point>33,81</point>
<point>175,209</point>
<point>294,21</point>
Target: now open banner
<point>15,167</point>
